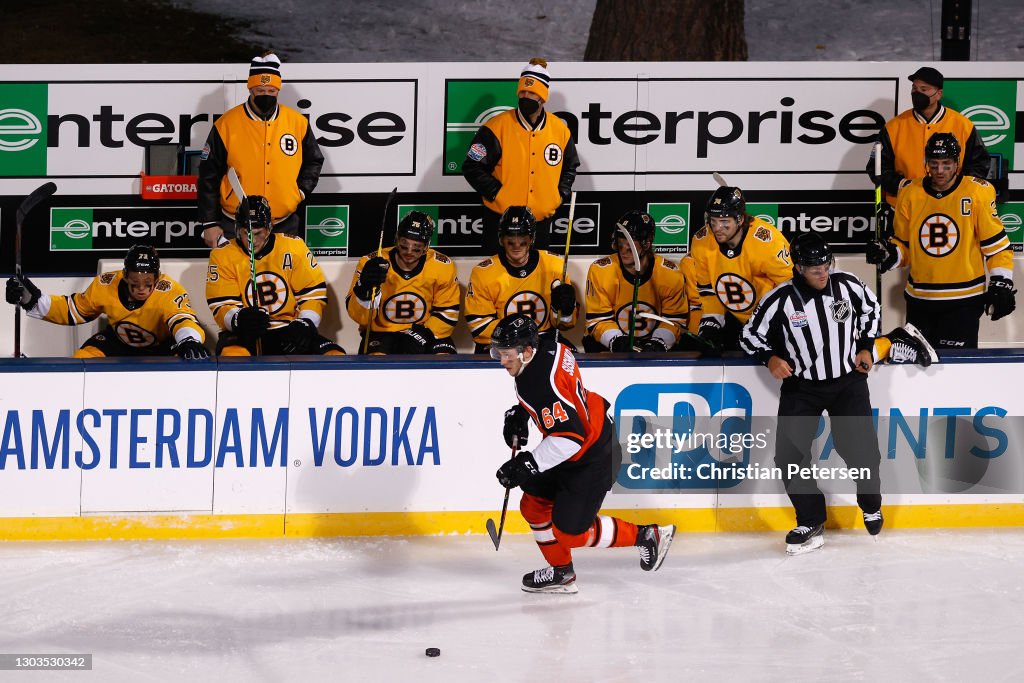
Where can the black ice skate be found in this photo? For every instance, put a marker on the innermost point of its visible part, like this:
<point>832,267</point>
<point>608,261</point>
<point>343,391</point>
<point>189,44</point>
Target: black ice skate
<point>910,346</point>
<point>551,580</point>
<point>654,542</point>
<point>873,522</point>
<point>804,539</point>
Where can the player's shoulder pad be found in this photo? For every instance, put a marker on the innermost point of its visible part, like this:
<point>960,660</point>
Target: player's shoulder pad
<point>603,262</point>
<point>486,263</point>
<point>107,278</point>
<point>441,258</point>
<point>164,285</point>
<point>701,234</point>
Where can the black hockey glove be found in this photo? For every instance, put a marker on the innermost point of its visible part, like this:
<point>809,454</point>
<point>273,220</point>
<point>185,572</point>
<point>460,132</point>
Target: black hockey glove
<point>999,297</point>
<point>517,425</point>
<point>22,293</point>
<point>372,275</point>
<point>518,470</point>
<point>445,345</point>
<point>882,254</point>
<point>298,336</point>
<point>252,322</point>
<point>620,344</point>
<point>190,349</point>
<point>416,339</point>
<point>653,345</point>
<point>563,299</point>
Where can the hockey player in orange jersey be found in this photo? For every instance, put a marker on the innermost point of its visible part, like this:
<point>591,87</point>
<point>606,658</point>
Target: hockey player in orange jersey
<point>148,313</point>
<point>566,476</point>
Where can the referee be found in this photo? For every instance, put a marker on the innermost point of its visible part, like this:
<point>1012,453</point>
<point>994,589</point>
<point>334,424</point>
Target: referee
<point>817,334</point>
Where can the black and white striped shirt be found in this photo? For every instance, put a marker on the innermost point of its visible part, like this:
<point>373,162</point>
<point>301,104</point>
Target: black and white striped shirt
<point>818,332</point>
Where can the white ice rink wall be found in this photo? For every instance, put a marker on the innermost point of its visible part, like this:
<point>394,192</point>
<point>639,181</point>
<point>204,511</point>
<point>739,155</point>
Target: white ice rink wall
<point>347,446</point>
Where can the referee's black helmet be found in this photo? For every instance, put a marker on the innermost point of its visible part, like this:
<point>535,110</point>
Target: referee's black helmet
<point>810,249</point>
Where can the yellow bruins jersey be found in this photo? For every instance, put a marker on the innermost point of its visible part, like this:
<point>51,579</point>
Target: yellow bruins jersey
<point>497,289</point>
<point>166,315</point>
<point>689,270</point>
<point>289,282</point>
<point>734,280</point>
<point>610,300</point>
<point>429,295</point>
<point>948,238</point>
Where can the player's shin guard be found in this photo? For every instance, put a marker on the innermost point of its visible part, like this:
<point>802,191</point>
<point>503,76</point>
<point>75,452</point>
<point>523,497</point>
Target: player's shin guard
<point>537,513</point>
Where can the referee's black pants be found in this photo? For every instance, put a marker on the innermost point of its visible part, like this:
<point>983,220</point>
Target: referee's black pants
<point>849,407</point>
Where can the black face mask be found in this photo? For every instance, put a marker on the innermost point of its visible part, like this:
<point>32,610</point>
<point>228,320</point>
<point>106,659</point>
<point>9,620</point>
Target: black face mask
<point>920,101</point>
<point>528,107</point>
<point>265,103</point>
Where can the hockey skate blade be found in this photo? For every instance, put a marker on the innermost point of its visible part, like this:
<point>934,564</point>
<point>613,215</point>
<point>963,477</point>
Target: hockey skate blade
<point>807,546</point>
<point>569,589</point>
<point>667,534</point>
<point>917,334</point>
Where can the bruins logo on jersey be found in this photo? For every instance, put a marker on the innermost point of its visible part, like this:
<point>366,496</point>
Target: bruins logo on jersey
<point>486,263</point>
<point>107,278</point>
<point>135,336</point>
<point>736,293</point>
<point>272,292</point>
<point>762,233</point>
<point>671,265</point>
<point>441,258</point>
<point>939,235</point>
<point>603,262</point>
<point>163,286</point>
<point>528,303</point>
<point>404,308</point>
<point>553,154</point>
<point>701,234</point>
<point>643,326</point>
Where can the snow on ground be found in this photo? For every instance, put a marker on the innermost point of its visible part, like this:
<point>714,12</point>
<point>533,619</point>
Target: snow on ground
<point>909,606</point>
<point>503,31</point>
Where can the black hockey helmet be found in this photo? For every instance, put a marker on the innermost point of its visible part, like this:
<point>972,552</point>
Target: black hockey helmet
<point>810,249</point>
<point>516,331</point>
<point>727,202</point>
<point>517,221</point>
<point>416,226</point>
<point>942,146</point>
<point>254,208</point>
<point>638,224</point>
<point>142,258</point>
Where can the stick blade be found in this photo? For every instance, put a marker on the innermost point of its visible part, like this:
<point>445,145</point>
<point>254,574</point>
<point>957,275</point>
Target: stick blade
<point>37,195</point>
<point>719,179</point>
<point>236,184</point>
<point>492,531</point>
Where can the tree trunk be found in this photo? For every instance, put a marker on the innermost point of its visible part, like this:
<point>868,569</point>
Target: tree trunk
<point>666,31</point>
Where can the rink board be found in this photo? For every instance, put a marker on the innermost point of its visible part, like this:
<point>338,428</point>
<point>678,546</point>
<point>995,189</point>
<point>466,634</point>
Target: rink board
<point>349,446</point>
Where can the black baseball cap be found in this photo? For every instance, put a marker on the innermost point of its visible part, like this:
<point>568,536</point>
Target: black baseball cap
<point>927,74</point>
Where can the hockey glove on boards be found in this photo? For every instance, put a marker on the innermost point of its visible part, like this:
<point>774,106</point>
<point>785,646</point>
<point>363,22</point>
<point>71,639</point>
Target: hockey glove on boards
<point>251,322</point>
<point>190,349</point>
<point>517,425</point>
<point>22,293</point>
<point>298,336</point>
<point>373,274</point>
<point>563,298</point>
<point>710,333</point>
<point>653,345</point>
<point>999,297</point>
<point>620,344</point>
<point>518,470</point>
<point>417,339</point>
<point>881,253</point>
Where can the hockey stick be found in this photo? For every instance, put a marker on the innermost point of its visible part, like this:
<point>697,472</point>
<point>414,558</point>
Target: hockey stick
<point>636,284</point>
<point>719,179</point>
<point>565,257</point>
<point>236,186</point>
<point>682,330</point>
<point>380,250</point>
<point>496,534</point>
<point>29,203</point>
<point>878,224</point>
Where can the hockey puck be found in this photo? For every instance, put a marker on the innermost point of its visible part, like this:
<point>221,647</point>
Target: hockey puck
<point>433,652</point>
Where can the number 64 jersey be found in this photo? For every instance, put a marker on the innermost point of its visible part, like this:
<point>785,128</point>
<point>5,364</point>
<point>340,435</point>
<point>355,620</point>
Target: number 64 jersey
<point>571,418</point>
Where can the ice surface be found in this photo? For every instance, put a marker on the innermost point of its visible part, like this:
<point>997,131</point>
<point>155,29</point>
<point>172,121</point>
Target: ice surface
<point>909,606</point>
